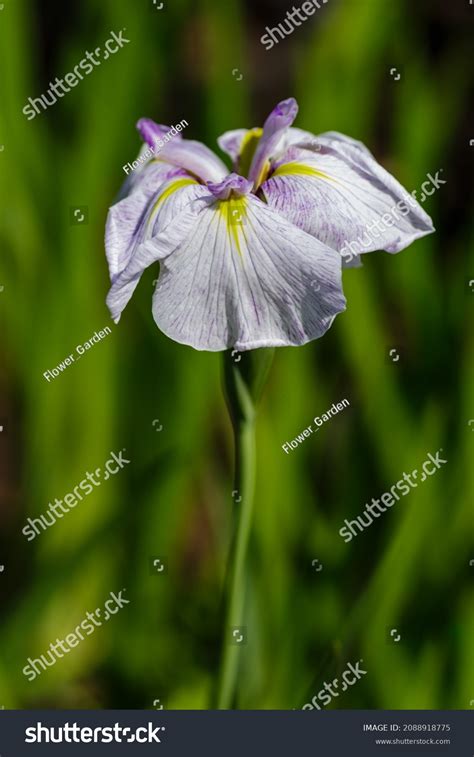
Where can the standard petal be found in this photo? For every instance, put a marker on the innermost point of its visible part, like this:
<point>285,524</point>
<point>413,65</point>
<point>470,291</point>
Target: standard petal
<point>231,141</point>
<point>241,276</point>
<point>238,141</point>
<point>342,196</point>
<point>192,156</point>
<point>274,129</point>
<point>141,214</point>
<point>241,144</point>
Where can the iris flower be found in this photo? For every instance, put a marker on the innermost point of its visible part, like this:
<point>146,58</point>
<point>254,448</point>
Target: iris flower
<point>250,258</point>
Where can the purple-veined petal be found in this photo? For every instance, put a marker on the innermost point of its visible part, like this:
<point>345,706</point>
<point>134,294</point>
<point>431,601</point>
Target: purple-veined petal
<point>300,138</point>
<point>145,254</point>
<point>236,274</point>
<point>342,196</point>
<point>295,136</point>
<point>338,137</point>
<point>141,214</point>
<point>148,176</point>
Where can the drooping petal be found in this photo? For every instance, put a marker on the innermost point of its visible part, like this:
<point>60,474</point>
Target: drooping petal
<point>295,136</point>
<point>234,273</point>
<point>342,196</point>
<point>242,279</point>
<point>192,156</point>
<point>338,137</point>
<point>142,213</point>
<point>124,285</point>
<point>305,139</point>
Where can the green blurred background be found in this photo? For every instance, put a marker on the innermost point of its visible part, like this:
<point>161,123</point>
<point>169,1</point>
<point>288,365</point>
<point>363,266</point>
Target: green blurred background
<point>410,570</point>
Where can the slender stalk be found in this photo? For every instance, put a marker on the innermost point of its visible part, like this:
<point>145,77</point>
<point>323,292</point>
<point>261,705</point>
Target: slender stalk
<point>233,617</point>
<point>243,385</point>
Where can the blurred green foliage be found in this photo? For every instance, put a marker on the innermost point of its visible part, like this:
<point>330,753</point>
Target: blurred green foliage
<point>410,570</point>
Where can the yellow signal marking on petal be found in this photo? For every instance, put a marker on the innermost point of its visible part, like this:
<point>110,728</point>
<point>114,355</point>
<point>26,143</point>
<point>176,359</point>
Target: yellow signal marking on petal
<point>295,169</point>
<point>255,133</point>
<point>234,213</point>
<point>178,184</point>
<point>166,194</point>
<point>247,149</point>
<point>263,174</point>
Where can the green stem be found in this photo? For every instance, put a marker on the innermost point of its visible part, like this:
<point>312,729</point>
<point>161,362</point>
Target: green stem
<point>243,385</point>
<point>245,484</point>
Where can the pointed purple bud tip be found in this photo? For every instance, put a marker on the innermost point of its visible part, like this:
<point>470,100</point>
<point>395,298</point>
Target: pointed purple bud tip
<point>233,184</point>
<point>151,132</point>
<point>281,116</point>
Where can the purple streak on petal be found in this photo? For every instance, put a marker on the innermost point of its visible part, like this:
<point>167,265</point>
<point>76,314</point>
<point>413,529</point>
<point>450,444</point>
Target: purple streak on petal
<point>148,177</point>
<point>128,221</point>
<point>274,128</point>
<point>353,204</point>
<point>133,227</point>
<point>217,291</point>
